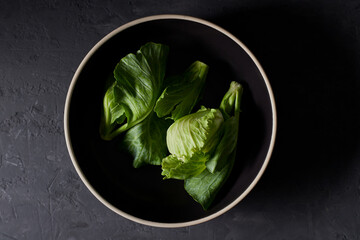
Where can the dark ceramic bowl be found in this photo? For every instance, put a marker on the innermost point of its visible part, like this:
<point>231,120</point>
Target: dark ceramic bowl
<point>141,195</point>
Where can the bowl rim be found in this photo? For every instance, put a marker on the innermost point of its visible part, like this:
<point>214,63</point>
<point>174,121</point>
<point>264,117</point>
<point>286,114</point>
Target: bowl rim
<point>67,109</point>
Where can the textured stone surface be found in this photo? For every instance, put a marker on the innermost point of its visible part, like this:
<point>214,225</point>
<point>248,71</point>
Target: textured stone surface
<point>310,50</point>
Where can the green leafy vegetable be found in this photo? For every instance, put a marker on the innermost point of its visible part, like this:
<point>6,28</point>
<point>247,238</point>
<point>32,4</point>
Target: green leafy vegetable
<point>113,112</point>
<point>230,105</point>
<point>202,145</point>
<point>146,141</point>
<point>139,81</point>
<point>197,132</point>
<point>204,187</point>
<point>184,167</point>
<point>190,139</point>
<point>179,98</point>
<point>226,146</point>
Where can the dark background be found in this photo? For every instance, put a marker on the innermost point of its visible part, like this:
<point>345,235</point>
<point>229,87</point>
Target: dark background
<point>310,52</point>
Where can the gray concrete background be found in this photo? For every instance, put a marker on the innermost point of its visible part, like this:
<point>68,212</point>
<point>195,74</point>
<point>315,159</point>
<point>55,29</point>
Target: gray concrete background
<point>310,51</point>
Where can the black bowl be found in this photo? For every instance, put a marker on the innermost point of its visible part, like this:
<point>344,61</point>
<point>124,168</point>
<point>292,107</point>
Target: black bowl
<point>141,194</point>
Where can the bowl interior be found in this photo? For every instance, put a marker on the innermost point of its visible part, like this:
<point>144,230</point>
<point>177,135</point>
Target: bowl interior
<point>142,192</point>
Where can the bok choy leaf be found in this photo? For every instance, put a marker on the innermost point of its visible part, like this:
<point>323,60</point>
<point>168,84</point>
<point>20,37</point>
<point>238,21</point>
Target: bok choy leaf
<point>204,187</point>
<point>230,105</point>
<point>146,141</point>
<point>138,84</point>
<point>179,98</point>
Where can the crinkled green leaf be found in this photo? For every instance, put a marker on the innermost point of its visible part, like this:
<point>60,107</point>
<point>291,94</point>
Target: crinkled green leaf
<point>146,141</point>
<point>139,79</point>
<point>183,167</point>
<point>197,132</point>
<point>179,98</point>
